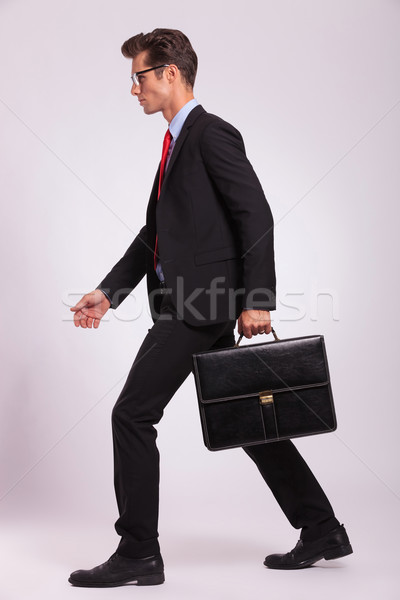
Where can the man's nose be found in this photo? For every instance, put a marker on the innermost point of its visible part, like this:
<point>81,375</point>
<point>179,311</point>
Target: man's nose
<point>135,89</point>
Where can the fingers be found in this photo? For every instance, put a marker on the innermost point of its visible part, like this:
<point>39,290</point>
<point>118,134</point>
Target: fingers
<point>78,319</point>
<point>264,328</point>
<point>245,329</point>
<point>268,327</point>
<point>89,300</point>
<point>253,322</point>
<point>86,315</point>
<point>85,321</point>
<point>81,304</point>
<point>250,328</point>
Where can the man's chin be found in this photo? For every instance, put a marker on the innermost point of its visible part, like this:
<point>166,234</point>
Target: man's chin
<point>149,111</point>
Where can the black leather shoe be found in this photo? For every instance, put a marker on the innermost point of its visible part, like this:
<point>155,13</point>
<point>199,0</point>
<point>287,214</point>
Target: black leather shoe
<point>334,544</point>
<point>119,570</point>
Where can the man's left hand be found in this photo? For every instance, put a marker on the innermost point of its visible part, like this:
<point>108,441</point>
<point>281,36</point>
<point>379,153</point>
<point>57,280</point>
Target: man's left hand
<point>252,322</point>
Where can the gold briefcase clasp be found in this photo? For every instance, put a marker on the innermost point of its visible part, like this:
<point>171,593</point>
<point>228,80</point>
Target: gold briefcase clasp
<point>266,397</point>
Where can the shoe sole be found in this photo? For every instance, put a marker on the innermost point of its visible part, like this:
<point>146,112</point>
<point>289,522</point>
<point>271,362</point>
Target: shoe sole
<point>153,579</point>
<point>332,554</point>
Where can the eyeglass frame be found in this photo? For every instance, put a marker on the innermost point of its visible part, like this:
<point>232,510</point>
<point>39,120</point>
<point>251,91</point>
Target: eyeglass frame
<point>134,76</point>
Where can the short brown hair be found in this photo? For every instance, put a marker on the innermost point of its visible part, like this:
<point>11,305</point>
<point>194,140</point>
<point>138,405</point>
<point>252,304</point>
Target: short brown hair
<point>165,46</point>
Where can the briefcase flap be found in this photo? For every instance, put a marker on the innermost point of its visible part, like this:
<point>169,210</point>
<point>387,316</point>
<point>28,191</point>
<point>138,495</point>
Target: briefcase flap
<point>238,372</point>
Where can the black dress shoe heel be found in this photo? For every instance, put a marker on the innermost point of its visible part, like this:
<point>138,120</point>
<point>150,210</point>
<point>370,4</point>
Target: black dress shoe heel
<point>154,579</point>
<point>338,552</point>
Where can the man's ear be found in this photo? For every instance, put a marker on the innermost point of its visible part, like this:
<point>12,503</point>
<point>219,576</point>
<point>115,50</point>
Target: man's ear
<point>172,72</point>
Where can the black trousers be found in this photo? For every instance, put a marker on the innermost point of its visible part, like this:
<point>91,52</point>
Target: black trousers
<point>162,364</point>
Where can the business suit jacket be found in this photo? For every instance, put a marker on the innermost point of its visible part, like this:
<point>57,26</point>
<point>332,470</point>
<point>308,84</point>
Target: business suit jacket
<point>214,226</point>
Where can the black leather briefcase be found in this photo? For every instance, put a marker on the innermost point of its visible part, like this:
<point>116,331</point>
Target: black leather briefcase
<point>264,392</point>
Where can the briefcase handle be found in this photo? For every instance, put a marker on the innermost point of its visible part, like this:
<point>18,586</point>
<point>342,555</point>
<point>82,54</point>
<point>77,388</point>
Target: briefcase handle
<point>241,336</point>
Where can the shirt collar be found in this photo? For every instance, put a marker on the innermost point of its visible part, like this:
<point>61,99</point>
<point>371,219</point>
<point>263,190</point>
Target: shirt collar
<point>177,122</point>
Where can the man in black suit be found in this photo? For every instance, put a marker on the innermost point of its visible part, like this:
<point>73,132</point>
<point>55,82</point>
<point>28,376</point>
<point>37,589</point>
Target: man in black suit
<point>207,251</point>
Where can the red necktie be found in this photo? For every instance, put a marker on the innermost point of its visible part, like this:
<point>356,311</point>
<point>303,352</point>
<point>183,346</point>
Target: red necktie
<point>165,148</point>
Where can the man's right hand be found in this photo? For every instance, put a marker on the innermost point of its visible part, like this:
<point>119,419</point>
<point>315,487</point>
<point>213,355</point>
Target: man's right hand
<point>90,309</point>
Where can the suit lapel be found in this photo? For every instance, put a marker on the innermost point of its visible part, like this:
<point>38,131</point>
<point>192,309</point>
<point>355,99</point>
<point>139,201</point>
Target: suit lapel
<point>191,118</point>
<point>151,212</point>
<point>151,207</point>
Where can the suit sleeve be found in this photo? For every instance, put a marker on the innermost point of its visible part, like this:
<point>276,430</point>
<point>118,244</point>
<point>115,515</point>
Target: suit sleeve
<point>225,159</point>
<point>127,272</point>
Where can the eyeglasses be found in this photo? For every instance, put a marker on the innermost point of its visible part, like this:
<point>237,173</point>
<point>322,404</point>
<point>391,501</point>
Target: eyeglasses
<point>135,76</point>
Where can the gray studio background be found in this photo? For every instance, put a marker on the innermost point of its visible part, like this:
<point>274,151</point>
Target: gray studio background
<point>314,88</point>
